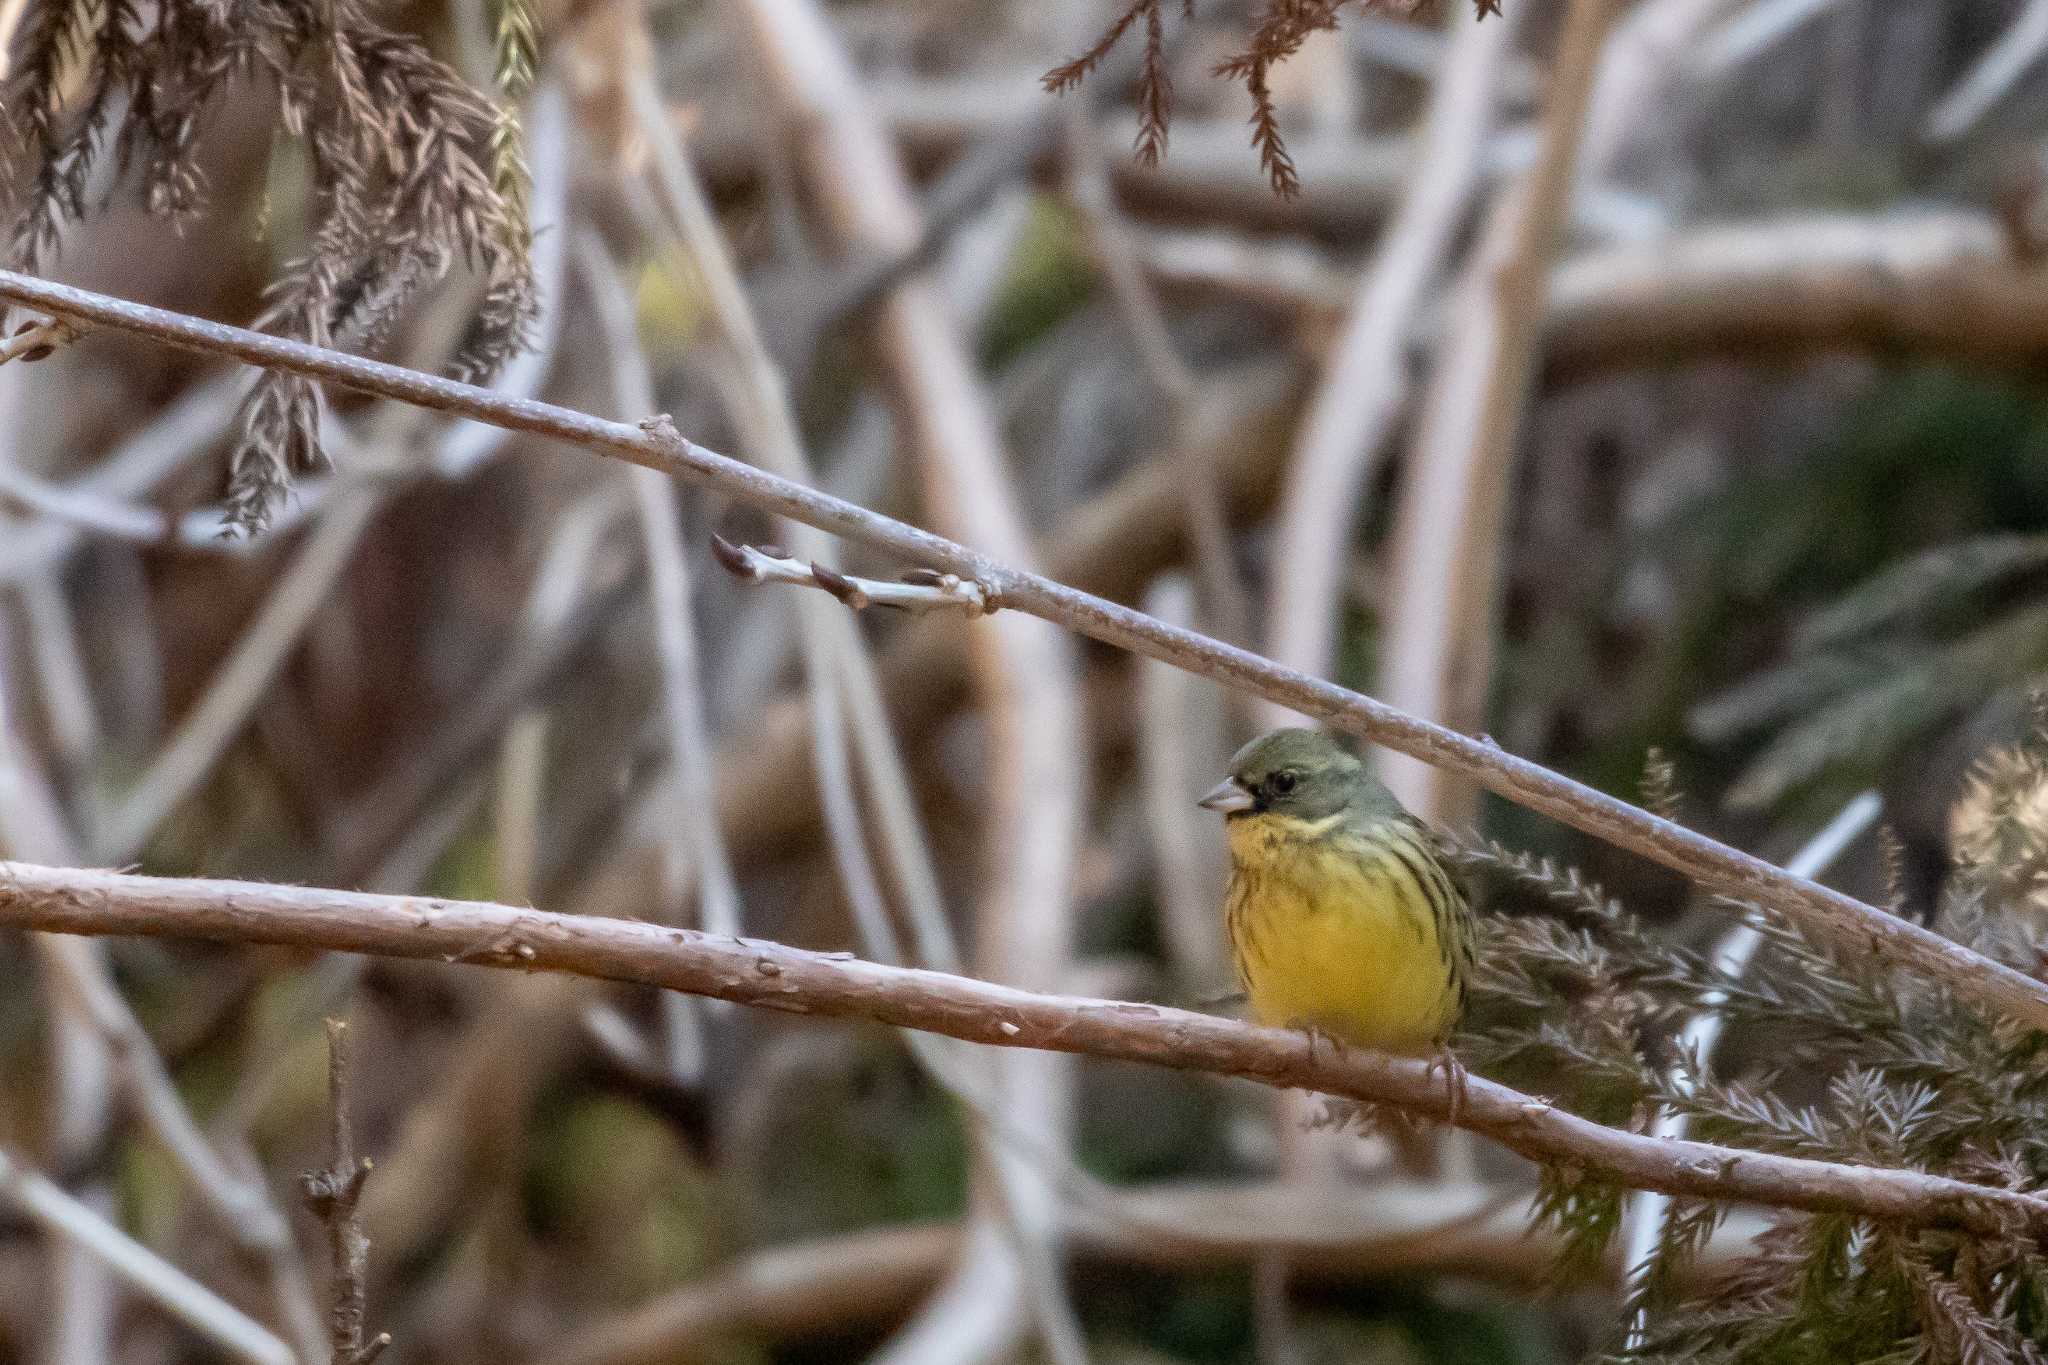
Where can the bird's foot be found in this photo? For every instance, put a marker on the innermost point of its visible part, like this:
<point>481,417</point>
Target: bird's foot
<point>1447,1062</point>
<point>1317,1033</point>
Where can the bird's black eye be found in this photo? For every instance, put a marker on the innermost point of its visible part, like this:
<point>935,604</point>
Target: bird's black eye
<point>1283,781</point>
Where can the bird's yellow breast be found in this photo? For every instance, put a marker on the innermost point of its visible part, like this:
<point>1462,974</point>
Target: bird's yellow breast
<point>1332,931</point>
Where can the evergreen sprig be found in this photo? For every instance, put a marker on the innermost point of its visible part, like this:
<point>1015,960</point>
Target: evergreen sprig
<point>1863,1066</point>
<point>1907,650</point>
<point>403,176</point>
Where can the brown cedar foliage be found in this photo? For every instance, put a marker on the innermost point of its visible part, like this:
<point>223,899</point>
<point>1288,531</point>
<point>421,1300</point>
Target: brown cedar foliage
<point>1281,30</point>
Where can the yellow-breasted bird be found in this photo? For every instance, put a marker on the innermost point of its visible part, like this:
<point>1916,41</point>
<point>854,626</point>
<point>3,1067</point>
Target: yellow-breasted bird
<point>1345,916</point>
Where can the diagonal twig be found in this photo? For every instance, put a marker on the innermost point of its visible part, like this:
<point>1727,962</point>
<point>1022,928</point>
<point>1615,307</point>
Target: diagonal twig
<point>33,341</point>
<point>47,1203</point>
<point>920,590</point>
<point>1993,76</point>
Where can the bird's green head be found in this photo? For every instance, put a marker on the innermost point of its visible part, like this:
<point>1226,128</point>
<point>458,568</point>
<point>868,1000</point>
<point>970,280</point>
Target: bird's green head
<point>1299,774</point>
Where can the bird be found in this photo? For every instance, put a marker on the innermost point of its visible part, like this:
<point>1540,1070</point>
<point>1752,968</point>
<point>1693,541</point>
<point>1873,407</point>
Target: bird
<point>1346,916</point>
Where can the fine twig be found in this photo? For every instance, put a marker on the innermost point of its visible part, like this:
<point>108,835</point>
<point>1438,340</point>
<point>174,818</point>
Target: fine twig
<point>832,985</point>
<point>920,590</point>
<point>1993,76</point>
<point>1839,919</point>
<point>33,341</point>
<point>333,1195</point>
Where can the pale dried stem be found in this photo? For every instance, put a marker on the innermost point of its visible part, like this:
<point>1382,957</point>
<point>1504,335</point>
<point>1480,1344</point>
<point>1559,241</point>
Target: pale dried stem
<point>518,805</point>
<point>239,1206</point>
<point>182,432</point>
<point>1023,674</point>
<point>2016,52</point>
<point>827,985</point>
<point>78,1225</point>
<point>1757,29</point>
<point>787,1292</point>
<point>1116,256</point>
<point>104,1037</point>
<point>64,684</point>
<point>659,510</point>
<point>1835,918</point>
<point>1645,62</point>
<point>1365,380</point>
<point>98,515</point>
<point>454,1143</point>
<point>188,757</point>
<point>82,1293</point>
<point>1181,748</point>
<point>1449,545</point>
<point>835,657</point>
<point>394,824</point>
<point>1644,1220</point>
<point>1937,283</point>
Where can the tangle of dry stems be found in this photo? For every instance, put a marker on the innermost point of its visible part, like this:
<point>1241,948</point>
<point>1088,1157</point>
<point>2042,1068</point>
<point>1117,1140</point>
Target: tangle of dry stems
<point>1857,929</point>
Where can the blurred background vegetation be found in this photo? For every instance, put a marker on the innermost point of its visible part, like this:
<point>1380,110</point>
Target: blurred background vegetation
<point>1774,505</point>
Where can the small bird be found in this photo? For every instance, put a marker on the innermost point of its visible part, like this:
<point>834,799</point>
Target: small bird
<point>1345,915</point>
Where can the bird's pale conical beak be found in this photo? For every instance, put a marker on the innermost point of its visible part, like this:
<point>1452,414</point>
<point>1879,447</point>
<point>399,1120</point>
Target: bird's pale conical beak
<point>1227,798</point>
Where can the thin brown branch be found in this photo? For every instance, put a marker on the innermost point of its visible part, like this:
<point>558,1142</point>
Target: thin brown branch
<point>837,985</point>
<point>333,1194</point>
<point>1840,919</point>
